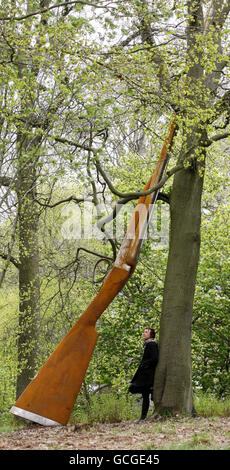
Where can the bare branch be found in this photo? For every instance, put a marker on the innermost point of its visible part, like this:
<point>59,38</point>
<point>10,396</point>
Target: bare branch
<point>11,259</point>
<point>71,198</point>
<point>216,138</point>
<point>137,194</point>
<point>8,257</point>
<point>121,202</point>
<point>147,37</point>
<point>63,140</point>
<point>222,105</point>
<point>126,196</point>
<point>5,181</point>
<point>217,13</point>
<point>108,258</point>
<point>95,200</point>
<point>45,10</point>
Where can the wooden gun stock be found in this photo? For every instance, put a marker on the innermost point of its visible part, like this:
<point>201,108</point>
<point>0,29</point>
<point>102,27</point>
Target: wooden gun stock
<point>50,396</point>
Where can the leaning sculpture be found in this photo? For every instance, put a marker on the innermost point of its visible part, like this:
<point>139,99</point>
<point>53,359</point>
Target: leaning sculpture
<point>50,396</point>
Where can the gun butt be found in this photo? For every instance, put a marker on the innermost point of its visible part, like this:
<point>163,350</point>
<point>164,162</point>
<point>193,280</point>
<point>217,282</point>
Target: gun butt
<point>50,396</point>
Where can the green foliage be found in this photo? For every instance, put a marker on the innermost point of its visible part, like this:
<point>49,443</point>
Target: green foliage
<point>63,78</point>
<point>211,324</point>
<point>8,347</point>
<point>9,422</point>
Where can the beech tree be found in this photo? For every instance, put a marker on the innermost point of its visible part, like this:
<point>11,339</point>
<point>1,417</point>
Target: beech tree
<point>173,389</point>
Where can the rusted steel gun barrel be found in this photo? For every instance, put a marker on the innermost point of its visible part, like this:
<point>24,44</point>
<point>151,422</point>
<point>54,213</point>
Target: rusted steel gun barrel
<point>50,396</point>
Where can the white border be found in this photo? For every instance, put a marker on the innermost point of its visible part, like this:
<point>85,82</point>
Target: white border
<point>33,417</point>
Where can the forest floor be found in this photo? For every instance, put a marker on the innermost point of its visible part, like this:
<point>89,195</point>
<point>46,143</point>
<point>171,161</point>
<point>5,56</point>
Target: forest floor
<point>170,434</point>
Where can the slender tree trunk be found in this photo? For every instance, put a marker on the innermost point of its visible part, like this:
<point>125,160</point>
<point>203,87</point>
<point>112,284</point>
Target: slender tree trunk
<point>173,380</point>
<point>29,282</point>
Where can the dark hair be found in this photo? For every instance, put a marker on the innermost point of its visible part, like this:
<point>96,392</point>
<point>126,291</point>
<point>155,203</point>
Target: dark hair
<point>152,331</point>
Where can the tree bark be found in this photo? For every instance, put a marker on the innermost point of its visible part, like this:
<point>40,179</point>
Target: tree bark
<point>29,281</point>
<point>173,380</point>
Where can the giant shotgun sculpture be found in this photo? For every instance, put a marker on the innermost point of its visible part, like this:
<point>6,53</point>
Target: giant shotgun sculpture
<point>50,396</point>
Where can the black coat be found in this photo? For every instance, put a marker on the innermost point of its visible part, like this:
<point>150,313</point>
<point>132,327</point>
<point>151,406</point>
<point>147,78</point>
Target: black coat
<point>144,376</point>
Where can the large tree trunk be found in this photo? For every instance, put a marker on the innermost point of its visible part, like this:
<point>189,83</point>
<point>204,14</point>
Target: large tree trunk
<point>173,381</point>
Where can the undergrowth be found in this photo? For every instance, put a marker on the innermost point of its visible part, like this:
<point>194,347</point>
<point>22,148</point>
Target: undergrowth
<point>207,405</point>
<point>115,408</point>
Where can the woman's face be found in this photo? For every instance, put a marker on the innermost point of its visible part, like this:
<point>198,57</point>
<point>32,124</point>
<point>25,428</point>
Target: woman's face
<point>146,334</point>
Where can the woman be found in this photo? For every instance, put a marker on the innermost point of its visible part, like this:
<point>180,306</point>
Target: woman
<point>142,381</point>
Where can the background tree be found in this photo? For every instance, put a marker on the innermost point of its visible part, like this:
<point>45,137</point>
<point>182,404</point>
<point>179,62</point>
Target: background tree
<point>35,91</point>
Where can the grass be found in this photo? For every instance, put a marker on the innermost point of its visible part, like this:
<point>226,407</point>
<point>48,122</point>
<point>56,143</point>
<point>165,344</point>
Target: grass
<point>9,422</point>
<point>106,408</point>
<point>115,408</point>
<point>207,405</point>
<point>208,430</point>
<point>199,441</point>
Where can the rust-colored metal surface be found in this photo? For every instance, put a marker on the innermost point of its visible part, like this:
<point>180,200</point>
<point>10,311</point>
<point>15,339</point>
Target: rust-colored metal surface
<point>50,396</point>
